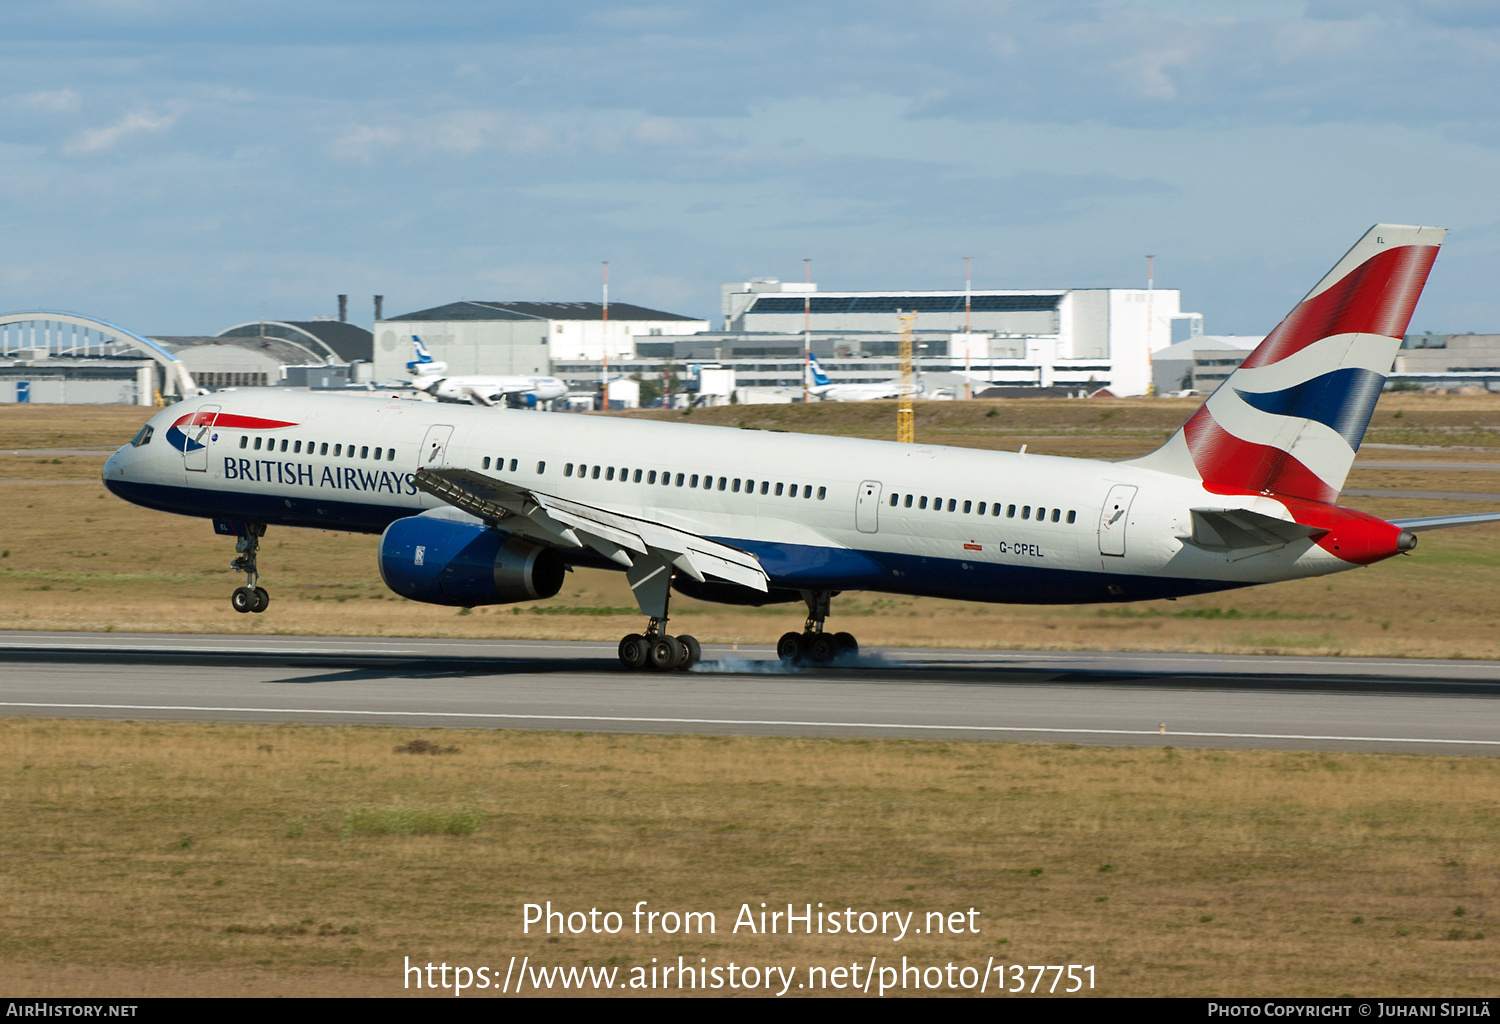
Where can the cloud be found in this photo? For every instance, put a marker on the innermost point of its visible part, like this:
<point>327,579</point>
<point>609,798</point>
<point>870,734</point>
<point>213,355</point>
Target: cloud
<point>57,101</point>
<point>362,142</point>
<point>98,140</point>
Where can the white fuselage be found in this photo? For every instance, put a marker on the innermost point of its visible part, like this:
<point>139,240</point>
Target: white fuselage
<point>819,512</point>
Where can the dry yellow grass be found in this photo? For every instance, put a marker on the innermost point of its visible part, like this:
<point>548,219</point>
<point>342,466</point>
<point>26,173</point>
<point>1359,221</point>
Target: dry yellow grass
<point>155,859</point>
<point>74,557</point>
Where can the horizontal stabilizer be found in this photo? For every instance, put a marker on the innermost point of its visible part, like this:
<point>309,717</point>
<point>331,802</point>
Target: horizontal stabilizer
<point>571,524</point>
<point>1444,522</point>
<point>1243,533</point>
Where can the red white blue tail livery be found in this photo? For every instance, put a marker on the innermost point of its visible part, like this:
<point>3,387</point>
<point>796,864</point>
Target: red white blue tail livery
<point>487,506</point>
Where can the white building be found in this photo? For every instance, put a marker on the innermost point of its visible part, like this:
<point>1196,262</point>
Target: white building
<point>520,337</point>
<point>1041,337</point>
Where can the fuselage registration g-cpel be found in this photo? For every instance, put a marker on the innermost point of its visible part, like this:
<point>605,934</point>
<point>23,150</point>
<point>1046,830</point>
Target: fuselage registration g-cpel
<point>480,505</point>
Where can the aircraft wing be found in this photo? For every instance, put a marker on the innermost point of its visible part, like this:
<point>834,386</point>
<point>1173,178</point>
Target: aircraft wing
<point>1444,522</point>
<point>623,539</point>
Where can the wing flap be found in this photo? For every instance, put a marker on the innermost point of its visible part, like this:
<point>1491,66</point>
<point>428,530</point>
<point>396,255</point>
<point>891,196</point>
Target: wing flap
<point>615,535</point>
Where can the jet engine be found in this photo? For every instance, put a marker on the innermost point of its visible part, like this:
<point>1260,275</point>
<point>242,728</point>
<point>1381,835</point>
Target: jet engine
<point>447,561</point>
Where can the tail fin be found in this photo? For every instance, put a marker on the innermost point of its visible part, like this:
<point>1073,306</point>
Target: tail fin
<point>820,379</point>
<point>424,363</point>
<point>1290,419</point>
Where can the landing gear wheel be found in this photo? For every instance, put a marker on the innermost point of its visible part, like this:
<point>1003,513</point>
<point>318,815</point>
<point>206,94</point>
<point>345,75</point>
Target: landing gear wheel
<point>665,653</point>
<point>821,647</point>
<point>243,599</point>
<point>692,652</point>
<point>262,600</point>
<point>789,648</point>
<point>848,647</point>
<point>633,651</point>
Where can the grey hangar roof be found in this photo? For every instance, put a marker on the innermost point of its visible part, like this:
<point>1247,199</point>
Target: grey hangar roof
<point>474,310</point>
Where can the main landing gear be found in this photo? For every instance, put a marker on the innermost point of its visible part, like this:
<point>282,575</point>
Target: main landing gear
<point>250,597</point>
<point>812,646</point>
<point>651,580</point>
<point>659,652</point>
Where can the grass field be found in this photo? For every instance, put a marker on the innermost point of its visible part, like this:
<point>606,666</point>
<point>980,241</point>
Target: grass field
<point>74,557</point>
<point>167,859</point>
<point>184,859</point>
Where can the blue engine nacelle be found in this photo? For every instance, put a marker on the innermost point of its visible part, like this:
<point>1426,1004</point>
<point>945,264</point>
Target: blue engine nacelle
<point>447,561</point>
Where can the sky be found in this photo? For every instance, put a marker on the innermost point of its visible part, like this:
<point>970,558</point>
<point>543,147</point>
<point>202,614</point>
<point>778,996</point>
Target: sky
<point>178,166</point>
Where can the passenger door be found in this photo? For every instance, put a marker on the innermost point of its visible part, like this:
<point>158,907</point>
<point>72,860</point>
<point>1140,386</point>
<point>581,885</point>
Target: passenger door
<point>867,507</point>
<point>434,454</point>
<point>1114,518</point>
<point>195,452</point>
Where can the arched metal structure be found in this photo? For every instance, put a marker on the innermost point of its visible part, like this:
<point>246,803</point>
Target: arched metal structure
<point>175,376</point>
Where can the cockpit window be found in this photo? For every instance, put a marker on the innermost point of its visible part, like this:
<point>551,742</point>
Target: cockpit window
<point>144,437</point>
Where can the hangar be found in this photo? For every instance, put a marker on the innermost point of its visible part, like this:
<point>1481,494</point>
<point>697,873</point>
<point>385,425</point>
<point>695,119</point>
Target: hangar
<point>521,337</point>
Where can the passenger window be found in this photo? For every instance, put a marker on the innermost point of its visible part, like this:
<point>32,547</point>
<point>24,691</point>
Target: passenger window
<point>723,482</point>
<point>978,511</point>
<point>485,463</point>
<point>765,487</point>
<point>1010,512</point>
<point>257,444</point>
<point>568,469</point>
<point>541,467</point>
<point>807,490</point>
<point>894,499</point>
<point>996,510</point>
<point>1072,517</point>
<point>937,504</point>
<point>923,502</point>
<point>651,477</point>
<point>1025,511</point>
<point>377,454</point>
<point>778,489</point>
<point>324,449</point>
<point>736,487</point>
<point>1056,514</point>
<point>364,451</point>
<point>595,473</point>
<point>679,479</point>
<point>952,504</point>
<point>1041,515</point>
<point>349,451</point>
<point>694,481</point>
<point>822,492</point>
<point>609,474</point>
<point>513,465</point>
<point>908,501</point>
<point>244,441</point>
<point>390,455</point>
<point>297,448</point>
<point>637,477</point>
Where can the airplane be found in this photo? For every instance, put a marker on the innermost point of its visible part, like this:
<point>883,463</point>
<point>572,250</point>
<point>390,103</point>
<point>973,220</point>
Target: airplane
<point>481,506</point>
<point>825,390</point>
<point>479,390</point>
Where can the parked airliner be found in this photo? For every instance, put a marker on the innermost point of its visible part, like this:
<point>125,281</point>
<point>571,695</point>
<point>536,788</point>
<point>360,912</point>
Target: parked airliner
<point>820,387</point>
<point>475,389</point>
<point>479,506</point>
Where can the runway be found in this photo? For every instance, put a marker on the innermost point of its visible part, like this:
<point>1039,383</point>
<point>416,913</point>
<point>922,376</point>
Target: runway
<point>1038,696</point>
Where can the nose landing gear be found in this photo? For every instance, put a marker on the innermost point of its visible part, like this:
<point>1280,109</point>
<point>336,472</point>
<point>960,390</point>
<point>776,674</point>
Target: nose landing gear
<point>250,597</point>
<point>813,646</point>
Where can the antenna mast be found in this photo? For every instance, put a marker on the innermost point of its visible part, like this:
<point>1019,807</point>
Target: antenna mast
<point>605,333</point>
